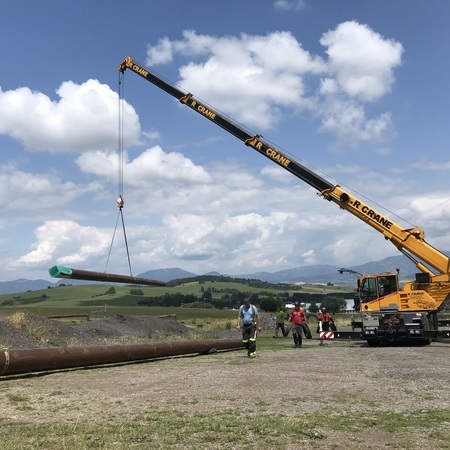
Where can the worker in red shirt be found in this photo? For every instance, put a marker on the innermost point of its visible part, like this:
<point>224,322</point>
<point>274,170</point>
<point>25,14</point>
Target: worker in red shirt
<point>296,317</point>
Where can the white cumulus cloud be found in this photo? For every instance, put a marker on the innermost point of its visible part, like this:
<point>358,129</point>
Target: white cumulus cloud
<point>84,118</point>
<point>151,166</point>
<point>64,242</point>
<point>258,79</point>
<point>361,60</point>
<point>235,72</point>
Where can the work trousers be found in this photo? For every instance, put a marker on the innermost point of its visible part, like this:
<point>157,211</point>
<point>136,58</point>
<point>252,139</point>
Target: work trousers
<point>297,331</point>
<point>249,337</point>
<point>280,326</point>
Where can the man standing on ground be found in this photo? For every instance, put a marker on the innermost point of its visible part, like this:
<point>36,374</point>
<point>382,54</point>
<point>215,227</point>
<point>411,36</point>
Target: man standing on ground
<point>279,322</point>
<point>325,318</point>
<point>296,317</point>
<point>249,317</point>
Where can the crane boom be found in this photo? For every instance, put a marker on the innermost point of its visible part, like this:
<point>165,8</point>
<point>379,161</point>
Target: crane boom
<point>259,145</point>
<point>408,241</point>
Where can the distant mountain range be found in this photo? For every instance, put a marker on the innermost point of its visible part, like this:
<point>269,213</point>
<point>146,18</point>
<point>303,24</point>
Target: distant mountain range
<point>306,274</point>
<point>320,273</point>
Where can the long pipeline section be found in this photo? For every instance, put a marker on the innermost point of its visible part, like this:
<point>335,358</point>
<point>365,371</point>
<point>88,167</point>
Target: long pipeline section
<point>21,361</point>
<point>78,274</point>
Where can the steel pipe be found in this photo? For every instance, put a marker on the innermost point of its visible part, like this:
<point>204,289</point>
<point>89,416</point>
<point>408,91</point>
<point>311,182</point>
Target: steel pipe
<point>77,274</point>
<point>20,361</point>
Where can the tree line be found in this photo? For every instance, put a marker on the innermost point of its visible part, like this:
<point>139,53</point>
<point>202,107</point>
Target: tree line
<point>333,303</point>
<point>252,282</point>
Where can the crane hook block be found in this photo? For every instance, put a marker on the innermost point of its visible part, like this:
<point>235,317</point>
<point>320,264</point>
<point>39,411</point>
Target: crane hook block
<point>77,274</point>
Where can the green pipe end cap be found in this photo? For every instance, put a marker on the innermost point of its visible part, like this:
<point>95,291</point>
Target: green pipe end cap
<point>58,271</point>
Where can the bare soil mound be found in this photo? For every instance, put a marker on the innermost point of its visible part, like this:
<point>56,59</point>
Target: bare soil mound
<point>29,331</point>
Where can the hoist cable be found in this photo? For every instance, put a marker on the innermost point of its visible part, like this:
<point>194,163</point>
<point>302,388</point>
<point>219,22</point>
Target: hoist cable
<point>120,136</point>
<point>126,241</point>
<point>112,241</point>
<point>120,165</point>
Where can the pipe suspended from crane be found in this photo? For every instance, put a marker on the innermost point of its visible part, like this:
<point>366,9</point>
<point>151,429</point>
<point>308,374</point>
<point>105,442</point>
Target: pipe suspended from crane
<point>21,361</point>
<point>77,274</point>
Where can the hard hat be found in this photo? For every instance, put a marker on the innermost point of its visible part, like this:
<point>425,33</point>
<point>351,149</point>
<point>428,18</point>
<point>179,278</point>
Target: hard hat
<point>324,309</point>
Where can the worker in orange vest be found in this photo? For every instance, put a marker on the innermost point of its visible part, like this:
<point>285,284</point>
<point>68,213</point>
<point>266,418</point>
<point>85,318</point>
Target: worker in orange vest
<point>326,319</point>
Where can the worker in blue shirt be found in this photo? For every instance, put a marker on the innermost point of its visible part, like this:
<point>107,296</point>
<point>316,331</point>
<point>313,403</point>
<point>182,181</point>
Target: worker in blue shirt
<point>249,318</point>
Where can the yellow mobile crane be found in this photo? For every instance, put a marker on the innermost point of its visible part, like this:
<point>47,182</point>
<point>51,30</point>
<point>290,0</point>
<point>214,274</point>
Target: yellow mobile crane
<point>389,313</point>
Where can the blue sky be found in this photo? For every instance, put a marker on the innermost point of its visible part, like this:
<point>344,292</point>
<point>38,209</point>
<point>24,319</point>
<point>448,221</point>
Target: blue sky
<point>355,90</point>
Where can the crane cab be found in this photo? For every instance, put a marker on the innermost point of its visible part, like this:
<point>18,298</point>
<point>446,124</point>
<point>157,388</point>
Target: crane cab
<point>386,314</point>
<point>372,288</point>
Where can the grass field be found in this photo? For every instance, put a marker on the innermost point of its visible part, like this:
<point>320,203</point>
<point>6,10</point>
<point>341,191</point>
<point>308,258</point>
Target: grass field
<point>92,298</point>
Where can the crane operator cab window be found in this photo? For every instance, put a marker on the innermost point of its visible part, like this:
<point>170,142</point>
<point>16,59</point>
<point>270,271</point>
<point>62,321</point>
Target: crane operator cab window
<point>387,285</point>
<point>375,287</point>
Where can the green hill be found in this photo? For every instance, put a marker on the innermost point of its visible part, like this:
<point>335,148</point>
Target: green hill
<point>132,299</point>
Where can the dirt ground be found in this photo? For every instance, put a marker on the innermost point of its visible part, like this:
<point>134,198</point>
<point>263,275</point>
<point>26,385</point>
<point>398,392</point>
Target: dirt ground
<point>337,378</point>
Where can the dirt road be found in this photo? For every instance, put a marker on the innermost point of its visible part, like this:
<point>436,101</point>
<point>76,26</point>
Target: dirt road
<point>363,388</point>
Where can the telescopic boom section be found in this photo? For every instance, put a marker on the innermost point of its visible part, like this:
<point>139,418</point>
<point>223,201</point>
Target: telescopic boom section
<point>249,139</point>
<point>408,241</point>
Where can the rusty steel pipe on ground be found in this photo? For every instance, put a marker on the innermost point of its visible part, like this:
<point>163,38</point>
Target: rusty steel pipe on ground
<point>77,274</point>
<point>21,361</point>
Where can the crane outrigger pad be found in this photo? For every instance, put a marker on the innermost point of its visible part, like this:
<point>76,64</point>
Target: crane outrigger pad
<point>77,274</point>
